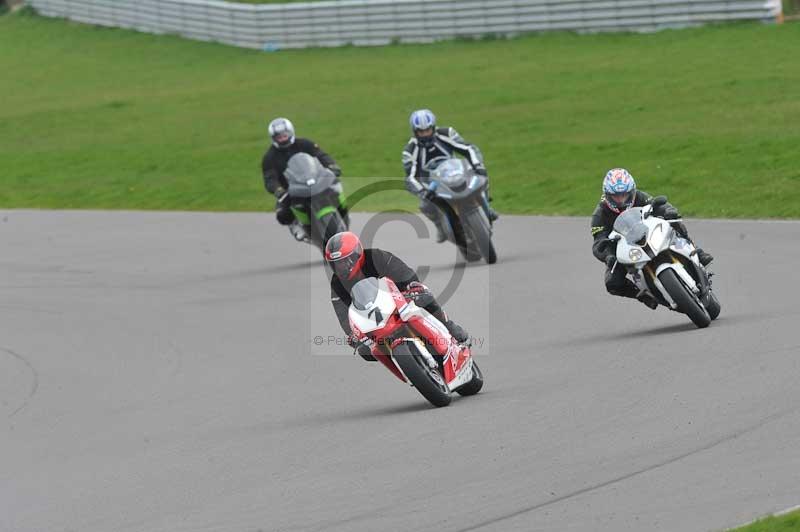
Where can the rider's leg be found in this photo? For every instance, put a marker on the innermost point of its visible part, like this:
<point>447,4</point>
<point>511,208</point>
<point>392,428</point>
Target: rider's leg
<point>618,284</point>
<point>285,216</point>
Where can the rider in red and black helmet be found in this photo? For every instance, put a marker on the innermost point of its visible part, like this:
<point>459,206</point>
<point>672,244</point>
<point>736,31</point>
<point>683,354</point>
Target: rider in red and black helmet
<point>351,262</point>
<point>345,254</point>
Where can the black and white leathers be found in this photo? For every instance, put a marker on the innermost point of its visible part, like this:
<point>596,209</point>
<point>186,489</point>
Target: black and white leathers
<point>418,156</point>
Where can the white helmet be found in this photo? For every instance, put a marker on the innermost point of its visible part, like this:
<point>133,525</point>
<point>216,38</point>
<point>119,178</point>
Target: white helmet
<point>421,120</point>
<point>281,127</point>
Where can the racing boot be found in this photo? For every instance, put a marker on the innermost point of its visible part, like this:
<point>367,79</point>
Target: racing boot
<point>648,299</point>
<point>704,258</point>
<point>365,353</point>
<point>298,231</point>
<point>457,331</point>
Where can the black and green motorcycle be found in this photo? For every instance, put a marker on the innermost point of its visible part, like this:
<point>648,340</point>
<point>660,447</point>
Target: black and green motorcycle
<point>317,199</point>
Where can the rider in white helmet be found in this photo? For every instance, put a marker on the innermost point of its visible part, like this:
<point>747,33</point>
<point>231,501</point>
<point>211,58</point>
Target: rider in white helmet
<point>284,144</point>
<point>429,145</point>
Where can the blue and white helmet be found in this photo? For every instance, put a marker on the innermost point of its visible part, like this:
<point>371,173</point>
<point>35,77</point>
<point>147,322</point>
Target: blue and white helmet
<point>619,190</point>
<point>421,120</point>
<point>281,127</point>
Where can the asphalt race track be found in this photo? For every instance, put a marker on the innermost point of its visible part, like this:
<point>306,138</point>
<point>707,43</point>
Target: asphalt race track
<point>159,373</point>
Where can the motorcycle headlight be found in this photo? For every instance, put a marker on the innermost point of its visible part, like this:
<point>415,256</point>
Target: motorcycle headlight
<point>635,254</point>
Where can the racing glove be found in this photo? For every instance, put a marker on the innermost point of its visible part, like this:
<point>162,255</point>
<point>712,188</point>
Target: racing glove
<point>669,213</point>
<point>418,293</point>
<point>336,170</point>
<point>662,209</point>
<point>427,194</point>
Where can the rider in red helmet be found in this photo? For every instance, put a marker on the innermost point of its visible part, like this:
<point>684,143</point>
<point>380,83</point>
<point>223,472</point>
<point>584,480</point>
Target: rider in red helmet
<point>350,263</point>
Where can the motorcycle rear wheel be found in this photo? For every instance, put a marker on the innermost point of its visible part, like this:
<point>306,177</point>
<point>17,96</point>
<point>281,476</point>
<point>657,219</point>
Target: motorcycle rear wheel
<point>475,384</point>
<point>713,307</point>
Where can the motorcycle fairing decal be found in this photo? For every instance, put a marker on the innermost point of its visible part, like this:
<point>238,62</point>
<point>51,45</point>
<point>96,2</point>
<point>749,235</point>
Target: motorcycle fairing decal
<point>325,210</point>
<point>463,376</point>
<point>301,216</point>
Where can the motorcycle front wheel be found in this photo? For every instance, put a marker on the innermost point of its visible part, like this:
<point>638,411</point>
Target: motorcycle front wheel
<point>687,302</point>
<point>482,234</point>
<point>429,382</point>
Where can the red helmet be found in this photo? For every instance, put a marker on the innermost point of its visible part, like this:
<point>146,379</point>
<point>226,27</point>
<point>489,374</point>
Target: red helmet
<point>345,254</point>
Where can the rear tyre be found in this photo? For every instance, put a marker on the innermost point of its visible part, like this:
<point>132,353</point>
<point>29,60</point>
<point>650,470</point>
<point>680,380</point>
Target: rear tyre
<point>687,302</point>
<point>429,382</point>
<point>475,384</point>
<point>713,307</point>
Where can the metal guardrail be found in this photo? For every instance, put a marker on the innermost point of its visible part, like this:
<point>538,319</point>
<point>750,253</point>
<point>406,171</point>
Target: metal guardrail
<point>380,22</point>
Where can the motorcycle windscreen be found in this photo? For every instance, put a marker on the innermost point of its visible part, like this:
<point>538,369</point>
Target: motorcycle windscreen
<point>306,176</point>
<point>631,226</point>
<point>452,173</point>
<point>365,292</point>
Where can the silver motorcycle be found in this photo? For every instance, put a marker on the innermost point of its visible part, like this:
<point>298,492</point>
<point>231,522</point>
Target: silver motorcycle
<point>664,264</point>
<point>460,195</point>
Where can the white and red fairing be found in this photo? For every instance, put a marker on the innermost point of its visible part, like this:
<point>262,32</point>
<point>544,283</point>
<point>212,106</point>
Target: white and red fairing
<point>388,311</point>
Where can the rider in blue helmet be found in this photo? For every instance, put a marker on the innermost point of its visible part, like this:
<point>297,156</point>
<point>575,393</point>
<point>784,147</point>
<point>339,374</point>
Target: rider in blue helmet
<point>619,195</point>
<point>429,145</point>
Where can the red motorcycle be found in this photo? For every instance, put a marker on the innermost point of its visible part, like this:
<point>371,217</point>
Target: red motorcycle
<point>412,343</point>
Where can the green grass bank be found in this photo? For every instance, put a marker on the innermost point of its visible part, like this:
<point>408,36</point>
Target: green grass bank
<point>785,523</point>
<point>104,118</point>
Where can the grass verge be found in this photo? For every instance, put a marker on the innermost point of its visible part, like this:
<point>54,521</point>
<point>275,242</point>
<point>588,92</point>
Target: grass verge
<point>784,523</point>
<point>104,118</point>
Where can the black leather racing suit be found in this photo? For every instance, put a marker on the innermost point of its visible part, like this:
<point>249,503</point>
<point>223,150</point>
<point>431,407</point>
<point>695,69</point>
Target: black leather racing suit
<point>417,158</point>
<point>379,263</point>
<point>603,220</point>
<point>274,163</point>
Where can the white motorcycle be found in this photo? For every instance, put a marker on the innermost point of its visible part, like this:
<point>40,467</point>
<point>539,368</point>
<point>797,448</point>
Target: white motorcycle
<point>664,264</point>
